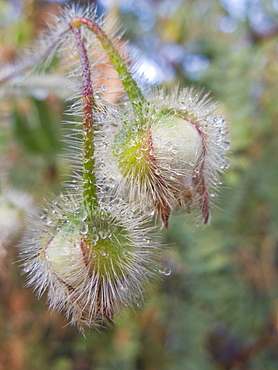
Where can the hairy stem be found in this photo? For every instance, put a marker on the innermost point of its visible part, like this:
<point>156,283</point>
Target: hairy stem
<point>89,104</point>
<point>133,91</point>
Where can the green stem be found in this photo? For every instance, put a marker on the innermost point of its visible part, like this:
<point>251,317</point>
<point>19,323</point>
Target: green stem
<point>133,91</point>
<point>89,104</point>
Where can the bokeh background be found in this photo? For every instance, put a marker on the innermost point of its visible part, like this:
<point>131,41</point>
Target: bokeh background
<point>219,307</point>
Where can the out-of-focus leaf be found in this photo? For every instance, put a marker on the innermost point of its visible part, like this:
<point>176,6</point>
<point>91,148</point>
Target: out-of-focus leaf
<point>38,129</point>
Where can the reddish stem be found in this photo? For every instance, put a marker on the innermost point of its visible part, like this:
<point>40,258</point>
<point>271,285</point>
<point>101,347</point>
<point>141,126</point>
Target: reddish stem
<point>89,103</point>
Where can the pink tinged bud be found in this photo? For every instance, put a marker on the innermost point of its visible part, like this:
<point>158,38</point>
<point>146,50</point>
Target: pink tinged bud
<point>162,161</point>
<point>177,148</point>
<point>173,158</point>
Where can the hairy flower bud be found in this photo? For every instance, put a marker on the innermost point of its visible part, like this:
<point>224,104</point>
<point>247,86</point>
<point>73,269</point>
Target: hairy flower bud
<point>172,153</point>
<point>91,262</point>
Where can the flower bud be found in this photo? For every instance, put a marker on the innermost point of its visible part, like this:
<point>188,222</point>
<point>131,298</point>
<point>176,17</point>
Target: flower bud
<point>92,263</point>
<point>171,154</point>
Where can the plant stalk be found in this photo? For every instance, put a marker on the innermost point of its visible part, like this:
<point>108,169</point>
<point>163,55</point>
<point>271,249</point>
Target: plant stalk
<point>132,89</point>
<point>89,105</point>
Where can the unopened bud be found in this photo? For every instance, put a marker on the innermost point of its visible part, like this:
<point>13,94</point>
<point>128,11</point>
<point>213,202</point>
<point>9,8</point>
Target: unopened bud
<point>92,268</point>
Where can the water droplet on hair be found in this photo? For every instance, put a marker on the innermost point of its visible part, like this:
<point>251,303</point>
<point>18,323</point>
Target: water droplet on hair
<point>175,151</point>
<point>26,269</point>
<point>118,151</point>
<point>145,127</point>
<point>84,229</point>
<point>102,234</point>
<point>94,238</point>
<point>145,146</point>
<point>166,271</point>
<point>129,214</point>
<point>157,171</point>
<point>138,154</point>
<point>83,216</point>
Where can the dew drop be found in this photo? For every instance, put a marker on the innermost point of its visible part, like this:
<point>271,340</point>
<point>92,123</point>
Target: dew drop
<point>84,216</point>
<point>145,146</point>
<point>166,271</point>
<point>175,151</point>
<point>145,127</point>
<point>84,229</point>
<point>118,151</point>
<point>130,214</point>
<point>138,154</point>
<point>26,270</point>
<point>102,234</point>
<point>191,164</point>
<point>157,171</point>
<point>95,238</point>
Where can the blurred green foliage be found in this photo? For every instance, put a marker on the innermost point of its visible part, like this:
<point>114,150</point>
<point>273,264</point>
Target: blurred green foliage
<point>219,307</point>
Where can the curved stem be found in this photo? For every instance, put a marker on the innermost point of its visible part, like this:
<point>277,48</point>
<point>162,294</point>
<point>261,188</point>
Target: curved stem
<point>89,103</point>
<point>133,91</point>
